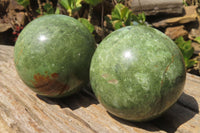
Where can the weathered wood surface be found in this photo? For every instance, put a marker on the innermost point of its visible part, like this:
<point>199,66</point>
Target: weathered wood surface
<point>153,7</point>
<point>190,15</point>
<point>22,111</point>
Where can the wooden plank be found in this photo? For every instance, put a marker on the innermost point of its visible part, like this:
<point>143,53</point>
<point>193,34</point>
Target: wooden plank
<point>21,110</point>
<point>190,15</point>
<point>153,7</point>
<point>191,97</point>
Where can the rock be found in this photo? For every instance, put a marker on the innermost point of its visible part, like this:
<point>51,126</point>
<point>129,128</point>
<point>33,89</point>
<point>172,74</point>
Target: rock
<point>153,7</point>
<point>190,16</point>
<point>66,47</point>
<point>99,33</point>
<point>15,6</point>
<point>11,14</point>
<point>194,33</point>
<point>196,47</point>
<point>137,73</point>
<point>3,6</point>
<point>20,18</point>
<point>175,32</point>
<point>4,27</point>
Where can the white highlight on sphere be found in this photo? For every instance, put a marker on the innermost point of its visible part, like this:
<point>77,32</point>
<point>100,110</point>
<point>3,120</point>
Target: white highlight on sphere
<point>42,38</point>
<point>127,54</point>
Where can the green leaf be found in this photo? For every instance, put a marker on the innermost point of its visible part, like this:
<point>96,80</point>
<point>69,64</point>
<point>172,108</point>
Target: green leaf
<point>48,9</point>
<point>189,63</point>
<point>197,39</point>
<point>140,18</point>
<point>134,18</point>
<point>71,5</point>
<point>128,20</point>
<point>122,16</point>
<point>123,13</point>
<point>117,24</point>
<point>120,1</point>
<point>179,40</point>
<point>93,2</point>
<point>65,4</point>
<point>57,11</point>
<point>24,3</point>
<point>187,51</point>
<point>116,12</point>
<point>87,24</point>
<point>185,3</point>
<point>38,11</point>
<point>185,47</point>
<point>108,21</point>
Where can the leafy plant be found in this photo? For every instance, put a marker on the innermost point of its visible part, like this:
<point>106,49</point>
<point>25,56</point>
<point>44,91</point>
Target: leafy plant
<point>120,1</point>
<point>71,5</point>
<point>140,18</point>
<point>93,2</point>
<point>187,51</point>
<point>57,11</point>
<point>87,24</point>
<point>48,9</point>
<point>185,3</point>
<point>197,39</point>
<point>121,16</point>
<point>24,3</point>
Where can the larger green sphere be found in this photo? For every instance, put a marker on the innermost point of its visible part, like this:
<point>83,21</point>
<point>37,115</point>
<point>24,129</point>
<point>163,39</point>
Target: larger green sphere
<point>137,73</point>
<point>52,55</point>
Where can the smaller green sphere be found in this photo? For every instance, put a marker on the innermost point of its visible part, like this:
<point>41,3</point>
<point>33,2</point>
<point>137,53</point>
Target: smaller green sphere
<point>52,55</point>
<point>137,73</point>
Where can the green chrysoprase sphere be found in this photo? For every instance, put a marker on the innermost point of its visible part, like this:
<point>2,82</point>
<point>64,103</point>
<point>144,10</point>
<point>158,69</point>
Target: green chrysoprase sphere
<point>137,73</point>
<point>52,55</point>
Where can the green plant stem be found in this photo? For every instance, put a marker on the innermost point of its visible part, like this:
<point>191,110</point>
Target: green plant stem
<point>70,13</point>
<point>102,14</point>
<point>126,3</point>
<point>27,13</point>
<point>115,2</point>
<point>40,7</point>
<point>90,13</point>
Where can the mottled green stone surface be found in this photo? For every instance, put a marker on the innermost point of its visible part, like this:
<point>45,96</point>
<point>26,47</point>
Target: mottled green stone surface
<point>137,73</point>
<point>52,55</point>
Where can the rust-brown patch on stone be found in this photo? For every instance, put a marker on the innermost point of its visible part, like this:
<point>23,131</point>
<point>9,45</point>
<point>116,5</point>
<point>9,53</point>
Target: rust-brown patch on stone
<point>54,75</point>
<point>105,76</point>
<point>49,85</point>
<point>167,68</point>
<point>19,55</point>
<point>113,81</point>
<point>161,83</point>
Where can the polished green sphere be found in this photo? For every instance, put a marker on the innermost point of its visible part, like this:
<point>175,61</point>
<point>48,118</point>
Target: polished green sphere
<point>52,55</point>
<point>137,73</point>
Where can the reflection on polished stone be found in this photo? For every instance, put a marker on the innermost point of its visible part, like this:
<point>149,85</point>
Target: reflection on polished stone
<point>53,54</point>
<point>139,76</point>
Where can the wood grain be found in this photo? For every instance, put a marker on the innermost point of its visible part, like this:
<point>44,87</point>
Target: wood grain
<point>22,111</point>
<point>153,7</point>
